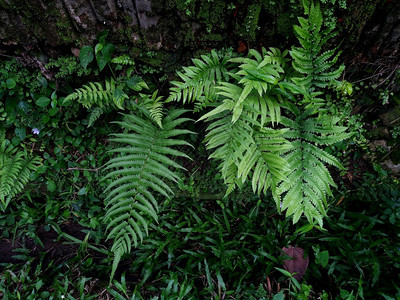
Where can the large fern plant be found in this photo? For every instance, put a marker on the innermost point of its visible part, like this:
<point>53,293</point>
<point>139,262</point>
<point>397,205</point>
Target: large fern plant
<point>140,175</point>
<point>270,124</point>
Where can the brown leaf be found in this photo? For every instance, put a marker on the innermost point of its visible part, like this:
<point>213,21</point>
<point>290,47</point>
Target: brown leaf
<point>298,264</point>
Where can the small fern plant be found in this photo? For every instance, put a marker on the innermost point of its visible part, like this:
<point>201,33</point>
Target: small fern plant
<point>140,175</point>
<point>113,94</point>
<point>270,121</point>
<point>15,167</point>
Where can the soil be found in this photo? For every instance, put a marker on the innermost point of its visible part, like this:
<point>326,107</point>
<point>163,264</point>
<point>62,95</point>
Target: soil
<point>52,249</point>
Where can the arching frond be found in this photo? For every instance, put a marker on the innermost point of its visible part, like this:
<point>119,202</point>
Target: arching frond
<point>15,168</point>
<point>198,81</point>
<point>140,173</point>
<point>94,94</point>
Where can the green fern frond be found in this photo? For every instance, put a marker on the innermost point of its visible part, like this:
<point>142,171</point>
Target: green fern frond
<point>259,75</point>
<point>198,81</point>
<point>309,60</point>
<point>15,168</point>
<point>155,106</point>
<point>308,184</point>
<point>94,115</point>
<point>125,60</point>
<point>138,174</point>
<point>245,148</point>
<point>94,94</point>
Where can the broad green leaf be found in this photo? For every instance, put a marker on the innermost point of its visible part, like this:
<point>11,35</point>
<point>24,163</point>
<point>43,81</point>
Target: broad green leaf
<point>86,56</point>
<point>43,101</point>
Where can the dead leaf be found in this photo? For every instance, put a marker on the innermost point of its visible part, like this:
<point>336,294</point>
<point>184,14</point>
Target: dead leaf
<point>296,265</point>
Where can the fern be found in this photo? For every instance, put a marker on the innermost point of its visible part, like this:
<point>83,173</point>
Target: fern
<point>309,60</point>
<point>259,74</point>
<point>94,94</point>
<point>94,115</point>
<point>138,175</point>
<point>125,60</point>
<point>15,168</point>
<point>246,147</point>
<point>155,107</point>
<point>309,182</point>
<point>198,81</point>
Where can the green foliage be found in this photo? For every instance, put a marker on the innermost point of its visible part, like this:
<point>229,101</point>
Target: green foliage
<point>123,60</point>
<point>138,174</point>
<point>309,60</point>
<point>155,107</point>
<point>102,52</point>
<point>66,67</point>
<point>15,169</point>
<point>94,94</point>
<point>244,124</point>
<point>309,180</point>
<point>198,81</point>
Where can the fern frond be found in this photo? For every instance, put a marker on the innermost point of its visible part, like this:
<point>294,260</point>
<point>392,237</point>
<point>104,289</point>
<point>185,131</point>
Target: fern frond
<point>138,174</point>
<point>125,60</point>
<point>94,115</point>
<point>15,168</point>
<point>245,148</point>
<point>155,106</point>
<point>308,184</point>
<point>259,75</point>
<point>198,81</point>
<point>94,94</point>
<point>309,61</point>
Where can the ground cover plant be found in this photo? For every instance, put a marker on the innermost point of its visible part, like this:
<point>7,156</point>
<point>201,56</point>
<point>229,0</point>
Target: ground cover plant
<point>111,188</point>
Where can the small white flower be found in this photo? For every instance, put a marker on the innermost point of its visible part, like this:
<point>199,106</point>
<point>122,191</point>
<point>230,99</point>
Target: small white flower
<point>35,131</point>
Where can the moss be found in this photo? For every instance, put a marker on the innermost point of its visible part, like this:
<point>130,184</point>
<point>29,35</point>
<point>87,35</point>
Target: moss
<point>212,14</point>
<point>187,6</point>
<point>285,23</point>
<point>248,29</point>
<point>212,37</point>
<point>64,31</point>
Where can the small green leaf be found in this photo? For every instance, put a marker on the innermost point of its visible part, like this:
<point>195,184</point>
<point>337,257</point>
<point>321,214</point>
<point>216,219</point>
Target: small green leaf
<point>53,111</point>
<point>11,83</point>
<point>20,132</point>
<point>42,82</point>
<point>51,186</point>
<point>104,56</point>
<point>82,191</point>
<point>86,56</point>
<point>98,48</point>
<point>45,119</point>
<point>42,101</point>
<point>323,258</point>
<point>279,296</point>
<point>102,35</point>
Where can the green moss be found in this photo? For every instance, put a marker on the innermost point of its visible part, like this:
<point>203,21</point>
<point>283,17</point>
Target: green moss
<point>213,15</point>
<point>212,37</point>
<point>248,29</point>
<point>187,6</point>
<point>64,31</point>
<point>285,23</point>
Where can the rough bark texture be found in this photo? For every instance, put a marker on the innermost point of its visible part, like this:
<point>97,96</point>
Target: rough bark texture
<point>176,25</point>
